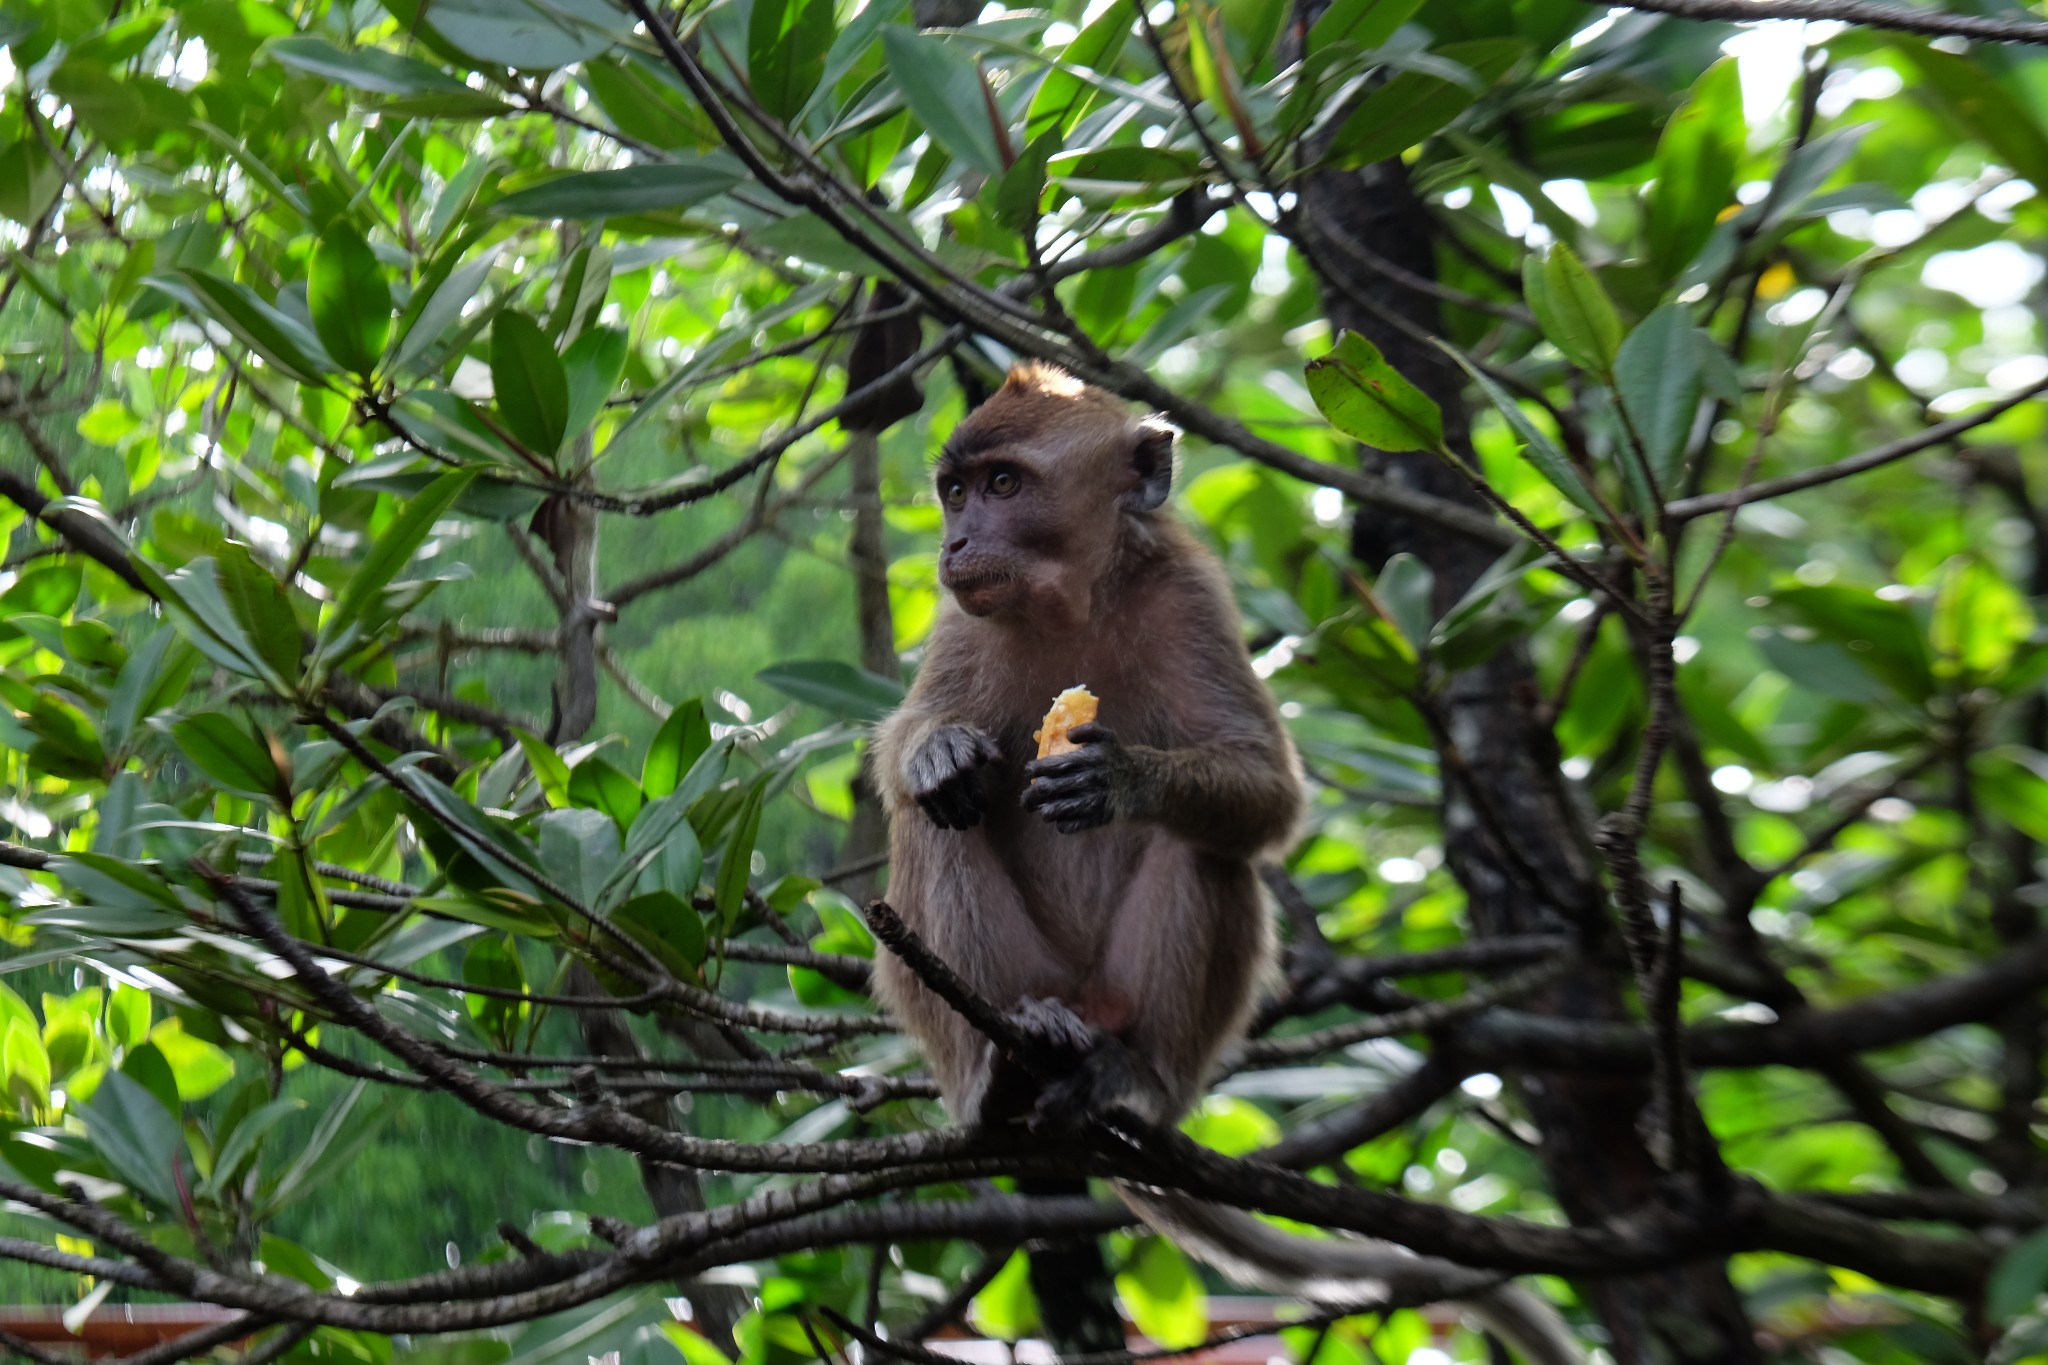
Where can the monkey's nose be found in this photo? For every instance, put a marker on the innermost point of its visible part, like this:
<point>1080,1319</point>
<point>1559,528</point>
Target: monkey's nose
<point>954,547</point>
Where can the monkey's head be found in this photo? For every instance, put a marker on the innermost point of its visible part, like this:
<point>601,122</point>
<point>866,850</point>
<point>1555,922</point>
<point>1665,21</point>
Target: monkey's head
<point>1043,486</point>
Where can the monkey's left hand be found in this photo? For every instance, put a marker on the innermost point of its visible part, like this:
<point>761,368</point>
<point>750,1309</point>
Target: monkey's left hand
<point>1077,790</point>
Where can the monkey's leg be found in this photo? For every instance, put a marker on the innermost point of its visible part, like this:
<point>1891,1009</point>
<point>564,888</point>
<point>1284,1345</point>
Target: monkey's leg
<point>1183,960</point>
<point>955,893</point>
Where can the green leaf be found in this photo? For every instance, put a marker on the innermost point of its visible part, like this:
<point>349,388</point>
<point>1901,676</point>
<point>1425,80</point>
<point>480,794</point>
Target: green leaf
<point>600,786</point>
<point>1537,447</point>
<point>1164,1295</point>
<point>393,550</point>
<point>43,589</point>
<point>200,1067</point>
<point>1407,589</point>
<point>26,1062</point>
<point>948,95</point>
<point>1660,379</point>
<point>579,850</point>
<point>349,298</point>
<point>1416,103</point>
<point>282,343</point>
<point>663,834</point>
<point>837,687</point>
<point>1981,105</point>
<point>629,190</point>
<point>1006,1308</point>
<point>1364,397</point>
<point>437,305</point>
<point>528,383</point>
<point>736,860</point>
<point>676,747</point>
<point>1697,155</point>
<point>548,768</point>
<point>1064,95</point>
<point>29,180</point>
<point>1022,186</point>
<point>787,41</point>
<point>241,1143</point>
<point>137,1137</point>
<point>262,609</point>
<point>1368,23</point>
<point>2019,1278</point>
<point>128,1016</point>
<point>531,35</point>
<point>363,68</point>
<point>1575,313</point>
<point>666,919</point>
<point>334,1144</point>
<point>228,755</point>
<point>592,366</point>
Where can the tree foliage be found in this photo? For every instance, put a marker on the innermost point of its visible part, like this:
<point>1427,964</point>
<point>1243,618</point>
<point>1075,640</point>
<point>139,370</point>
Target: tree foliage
<point>433,434</point>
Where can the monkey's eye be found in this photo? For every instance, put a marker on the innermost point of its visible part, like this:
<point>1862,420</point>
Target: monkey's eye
<point>953,492</point>
<point>1002,483</point>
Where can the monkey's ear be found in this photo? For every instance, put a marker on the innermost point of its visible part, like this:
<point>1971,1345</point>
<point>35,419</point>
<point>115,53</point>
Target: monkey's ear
<point>1150,476</point>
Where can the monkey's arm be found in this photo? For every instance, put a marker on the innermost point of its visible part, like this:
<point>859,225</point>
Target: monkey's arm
<point>1238,797</point>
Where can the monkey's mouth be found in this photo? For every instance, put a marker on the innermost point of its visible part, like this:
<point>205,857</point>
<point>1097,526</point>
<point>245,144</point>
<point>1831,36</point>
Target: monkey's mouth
<point>978,592</point>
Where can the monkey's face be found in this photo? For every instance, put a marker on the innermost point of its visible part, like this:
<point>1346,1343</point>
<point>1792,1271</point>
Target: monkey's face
<point>1002,536</point>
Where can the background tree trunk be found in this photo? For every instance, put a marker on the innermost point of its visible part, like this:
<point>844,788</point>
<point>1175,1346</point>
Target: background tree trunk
<point>1514,840</point>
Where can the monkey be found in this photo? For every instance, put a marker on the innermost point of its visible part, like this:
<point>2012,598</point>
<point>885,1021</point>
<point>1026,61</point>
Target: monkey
<point>1107,897</point>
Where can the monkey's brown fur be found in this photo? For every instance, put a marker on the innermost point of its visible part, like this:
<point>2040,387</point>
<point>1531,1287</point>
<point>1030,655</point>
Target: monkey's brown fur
<point>1110,905</point>
<point>1149,927</point>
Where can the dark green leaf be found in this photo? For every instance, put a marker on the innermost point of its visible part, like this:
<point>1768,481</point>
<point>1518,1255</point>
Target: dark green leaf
<point>1415,104</point>
<point>349,298</point>
<point>393,550</point>
<point>528,383</point>
<point>282,343</point>
<point>228,754</point>
<point>262,609</point>
<point>837,687</point>
<point>787,41</point>
<point>676,747</point>
<point>1696,161</point>
<point>947,92</point>
<point>1368,23</point>
<point>363,68</point>
<point>736,860</point>
<point>1660,381</point>
<point>1550,461</point>
<point>138,1138</point>
<point>631,189</point>
<point>592,366</point>
<point>2019,1278</point>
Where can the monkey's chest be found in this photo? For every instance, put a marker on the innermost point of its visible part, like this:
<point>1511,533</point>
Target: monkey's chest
<point>1071,885</point>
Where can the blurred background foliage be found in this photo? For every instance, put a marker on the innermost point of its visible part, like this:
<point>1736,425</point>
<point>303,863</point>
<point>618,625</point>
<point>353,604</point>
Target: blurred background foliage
<point>275,270</point>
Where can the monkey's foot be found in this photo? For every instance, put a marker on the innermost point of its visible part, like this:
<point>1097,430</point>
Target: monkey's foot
<point>1103,1081</point>
<point>1053,1025</point>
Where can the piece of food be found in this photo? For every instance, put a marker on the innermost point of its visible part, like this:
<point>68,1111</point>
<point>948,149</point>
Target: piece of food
<point>1075,706</point>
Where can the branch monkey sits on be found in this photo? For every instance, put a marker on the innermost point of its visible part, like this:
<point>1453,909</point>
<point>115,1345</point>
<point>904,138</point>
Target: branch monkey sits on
<point>1105,897</point>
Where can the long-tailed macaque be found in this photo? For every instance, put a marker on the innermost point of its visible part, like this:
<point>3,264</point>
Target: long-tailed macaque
<point>1105,897</point>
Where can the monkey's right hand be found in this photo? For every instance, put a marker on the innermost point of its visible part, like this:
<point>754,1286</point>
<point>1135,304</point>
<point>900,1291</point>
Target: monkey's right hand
<point>948,774</point>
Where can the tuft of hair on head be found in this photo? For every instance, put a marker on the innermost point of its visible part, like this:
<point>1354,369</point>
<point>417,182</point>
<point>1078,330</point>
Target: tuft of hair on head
<point>1036,376</point>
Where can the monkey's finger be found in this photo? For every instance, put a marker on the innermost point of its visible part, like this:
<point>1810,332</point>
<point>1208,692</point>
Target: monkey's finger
<point>1094,732</point>
<point>1074,809</point>
<point>1080,760</point>
<point>1066,784</point>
